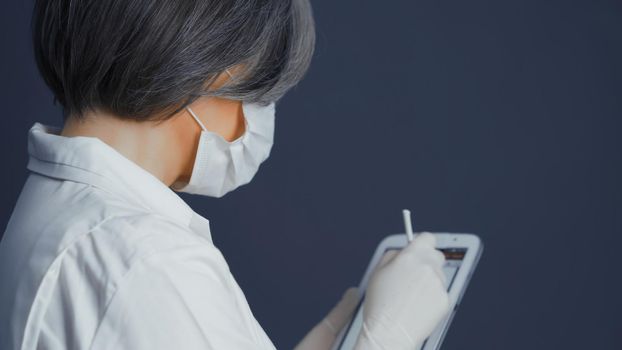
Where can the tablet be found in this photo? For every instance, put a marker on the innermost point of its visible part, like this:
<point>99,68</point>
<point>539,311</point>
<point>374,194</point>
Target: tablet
<point>462,252</point>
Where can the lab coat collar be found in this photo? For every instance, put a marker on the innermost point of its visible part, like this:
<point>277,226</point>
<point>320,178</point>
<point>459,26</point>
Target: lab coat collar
<point>91,161</point>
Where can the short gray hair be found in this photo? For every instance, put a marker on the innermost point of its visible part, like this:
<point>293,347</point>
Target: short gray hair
<point>149,59</point>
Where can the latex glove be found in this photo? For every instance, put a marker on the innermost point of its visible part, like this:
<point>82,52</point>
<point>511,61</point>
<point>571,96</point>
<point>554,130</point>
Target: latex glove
<point>405,299</point>
<point>322,336</point>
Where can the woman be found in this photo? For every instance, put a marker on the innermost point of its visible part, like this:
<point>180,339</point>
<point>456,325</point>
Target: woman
<point>164,96</point>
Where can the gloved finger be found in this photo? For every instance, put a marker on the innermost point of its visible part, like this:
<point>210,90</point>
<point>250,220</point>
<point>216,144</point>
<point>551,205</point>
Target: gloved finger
<point>342,312</point>
<point>422,239</point>
<point>436,260</point>
<point>441,263</point>
<point>423,247</point>
<point>430,254</point>
<point>441,275</point>
<point>426,238</point>
<point>427,255</point>
<point>388,256</point>
<point>437,257</point>
<point>428,259</point>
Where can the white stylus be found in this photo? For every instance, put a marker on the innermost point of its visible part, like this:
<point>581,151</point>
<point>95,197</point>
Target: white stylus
<point>408,224</point>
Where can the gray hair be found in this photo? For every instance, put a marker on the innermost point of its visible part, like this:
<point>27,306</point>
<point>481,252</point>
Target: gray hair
<point>149,59</point>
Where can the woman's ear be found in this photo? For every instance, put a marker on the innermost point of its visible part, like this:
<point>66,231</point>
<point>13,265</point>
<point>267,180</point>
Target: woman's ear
<point>222,116</point>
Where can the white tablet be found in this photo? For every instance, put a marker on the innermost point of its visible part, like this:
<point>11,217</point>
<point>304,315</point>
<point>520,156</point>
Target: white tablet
<point>462,252</point>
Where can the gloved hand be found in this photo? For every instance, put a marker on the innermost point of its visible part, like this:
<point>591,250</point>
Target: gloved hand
<point>323,335</point>
<point>405,299</point>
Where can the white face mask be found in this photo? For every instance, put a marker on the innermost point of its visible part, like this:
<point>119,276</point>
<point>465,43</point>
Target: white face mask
<point>221,166</point>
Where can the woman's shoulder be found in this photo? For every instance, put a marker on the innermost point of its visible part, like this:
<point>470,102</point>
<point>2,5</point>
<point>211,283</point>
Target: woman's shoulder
<point>86,225</point>
<point>116,266</point>
<point>110,237</point>
<point>137,235</point>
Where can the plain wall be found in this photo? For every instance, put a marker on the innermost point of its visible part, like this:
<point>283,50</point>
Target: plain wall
<point>500,118</point>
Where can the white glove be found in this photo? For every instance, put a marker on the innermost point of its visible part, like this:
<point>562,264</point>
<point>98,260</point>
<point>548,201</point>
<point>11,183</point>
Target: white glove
<point>405,299</point>
<point>322,336</point>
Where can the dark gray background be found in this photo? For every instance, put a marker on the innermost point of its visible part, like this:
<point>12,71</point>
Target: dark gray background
<point>500,118</point>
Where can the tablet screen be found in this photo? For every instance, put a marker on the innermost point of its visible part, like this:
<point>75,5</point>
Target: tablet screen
<point>453,256</point>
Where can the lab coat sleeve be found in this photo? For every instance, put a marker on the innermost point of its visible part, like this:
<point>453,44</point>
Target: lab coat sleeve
<point>185,298</point>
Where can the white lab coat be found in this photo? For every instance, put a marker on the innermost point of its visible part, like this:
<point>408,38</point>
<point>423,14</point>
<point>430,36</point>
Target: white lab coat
<point>99,254</point>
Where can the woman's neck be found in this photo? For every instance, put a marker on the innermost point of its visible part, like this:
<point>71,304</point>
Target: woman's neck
<point>165,149</point>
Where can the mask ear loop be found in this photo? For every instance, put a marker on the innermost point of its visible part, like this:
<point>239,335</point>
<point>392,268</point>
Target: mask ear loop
<point>196,118</point>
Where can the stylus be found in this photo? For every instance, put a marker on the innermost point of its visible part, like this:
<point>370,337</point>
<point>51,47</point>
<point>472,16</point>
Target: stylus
<point>408,224</point>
